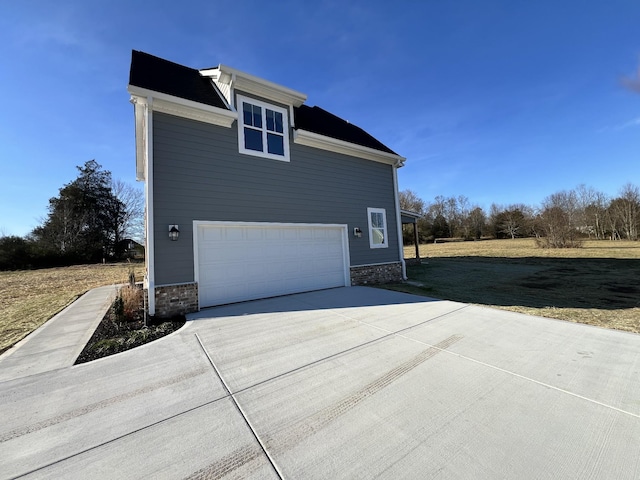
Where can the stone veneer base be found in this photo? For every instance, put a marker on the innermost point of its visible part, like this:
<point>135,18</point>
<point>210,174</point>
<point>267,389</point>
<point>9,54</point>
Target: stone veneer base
<point>182,299</point>
<point>374,274</point>
<point>176,299</point>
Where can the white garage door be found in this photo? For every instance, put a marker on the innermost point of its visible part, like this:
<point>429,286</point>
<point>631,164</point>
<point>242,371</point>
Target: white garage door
<point>237,262</point>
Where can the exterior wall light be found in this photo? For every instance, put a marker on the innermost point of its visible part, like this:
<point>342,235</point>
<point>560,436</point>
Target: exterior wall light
<point>174,233</point>
<point>357,232</point>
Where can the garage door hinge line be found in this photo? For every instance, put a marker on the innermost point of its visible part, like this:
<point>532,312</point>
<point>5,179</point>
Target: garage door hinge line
<point>239,408</point>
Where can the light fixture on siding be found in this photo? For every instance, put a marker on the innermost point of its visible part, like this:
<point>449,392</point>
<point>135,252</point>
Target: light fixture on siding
<point>357,232</point>
<point>174,233</point>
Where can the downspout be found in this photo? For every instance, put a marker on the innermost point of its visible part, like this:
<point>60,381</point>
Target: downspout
<point>399,220</point>
<point>150,254</point>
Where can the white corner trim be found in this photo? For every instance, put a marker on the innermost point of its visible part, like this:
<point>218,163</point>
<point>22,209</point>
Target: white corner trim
<point>196,260</point>
<point>399,223</point>
<point>255,85</point>
<point>150,250</point>
<point>182,107</point>
<point>311,139</point>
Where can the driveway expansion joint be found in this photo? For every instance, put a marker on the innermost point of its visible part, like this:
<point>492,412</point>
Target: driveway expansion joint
<point>241,411</point>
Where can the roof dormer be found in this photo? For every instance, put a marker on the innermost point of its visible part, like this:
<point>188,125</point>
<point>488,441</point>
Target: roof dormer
<point>229,79</point>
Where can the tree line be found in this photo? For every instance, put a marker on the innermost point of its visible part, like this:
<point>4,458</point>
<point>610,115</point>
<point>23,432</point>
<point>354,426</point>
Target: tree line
<point>563,219</point>
<point>88,222</point>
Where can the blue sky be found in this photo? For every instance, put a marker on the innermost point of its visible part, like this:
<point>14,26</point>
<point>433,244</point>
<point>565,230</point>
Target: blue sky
<point>500,101</point>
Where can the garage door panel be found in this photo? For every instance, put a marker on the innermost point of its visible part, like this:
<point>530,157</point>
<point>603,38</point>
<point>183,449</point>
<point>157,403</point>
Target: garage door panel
<point>238,262</point>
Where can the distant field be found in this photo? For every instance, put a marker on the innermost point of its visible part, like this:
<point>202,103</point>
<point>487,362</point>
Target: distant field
<point>598,284</point>
<point>28,298</point>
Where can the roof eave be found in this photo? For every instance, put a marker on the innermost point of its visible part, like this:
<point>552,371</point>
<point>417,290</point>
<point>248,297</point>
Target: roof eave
<point>311,139</point>
<point>182,107</point>
<point>409,213</point>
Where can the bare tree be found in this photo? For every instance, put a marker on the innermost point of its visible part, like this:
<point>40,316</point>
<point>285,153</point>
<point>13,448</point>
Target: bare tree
<point>512,221</point>
<point>592,206</point>
<point>452,215</point>
<point>625,211</point>
<point>557,222</point>
<point>410,201</point>
<point>132,218</point>
<point>438,207</point>
<point>476,221</point>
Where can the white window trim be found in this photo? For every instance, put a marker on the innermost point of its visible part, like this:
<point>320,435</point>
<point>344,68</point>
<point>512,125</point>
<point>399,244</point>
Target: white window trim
<point>386,230</point>
<point>285,124</point>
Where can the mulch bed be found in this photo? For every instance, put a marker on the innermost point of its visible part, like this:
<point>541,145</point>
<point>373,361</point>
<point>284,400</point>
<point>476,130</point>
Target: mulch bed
<point>115,334</point>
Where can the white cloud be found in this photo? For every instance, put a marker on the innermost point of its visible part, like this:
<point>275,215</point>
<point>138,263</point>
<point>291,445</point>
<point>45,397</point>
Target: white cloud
<point>635,122</point>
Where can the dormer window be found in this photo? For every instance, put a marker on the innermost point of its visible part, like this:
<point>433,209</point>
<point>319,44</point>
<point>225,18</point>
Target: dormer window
<point>263,129</point>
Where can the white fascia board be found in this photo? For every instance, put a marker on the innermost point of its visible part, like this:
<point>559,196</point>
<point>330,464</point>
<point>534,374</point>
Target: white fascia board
<point>182,107</point>
<point>409,213</point>
<point>311,139</point>
<point>256,85</point>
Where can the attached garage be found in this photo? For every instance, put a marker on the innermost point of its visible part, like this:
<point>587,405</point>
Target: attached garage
<point>235,262</point>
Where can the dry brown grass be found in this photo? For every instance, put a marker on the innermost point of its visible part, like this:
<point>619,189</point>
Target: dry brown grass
<point>526,247</point>
<point>132,300</point>
<point>28,298</point>
<point>598,284</point>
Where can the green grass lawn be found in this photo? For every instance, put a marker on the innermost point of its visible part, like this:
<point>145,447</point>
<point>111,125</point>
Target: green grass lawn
<point>598,284</point>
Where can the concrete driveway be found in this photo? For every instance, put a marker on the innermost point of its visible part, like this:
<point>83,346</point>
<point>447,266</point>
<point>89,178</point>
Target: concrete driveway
<point>344,383</point>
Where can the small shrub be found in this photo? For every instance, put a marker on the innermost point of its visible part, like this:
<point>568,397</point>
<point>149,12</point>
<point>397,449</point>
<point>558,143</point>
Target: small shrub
<point>559,242</point>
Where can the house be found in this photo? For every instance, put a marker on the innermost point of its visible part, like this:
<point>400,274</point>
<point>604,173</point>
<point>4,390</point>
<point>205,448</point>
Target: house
<point>251,193</point>
<point>129,248</point>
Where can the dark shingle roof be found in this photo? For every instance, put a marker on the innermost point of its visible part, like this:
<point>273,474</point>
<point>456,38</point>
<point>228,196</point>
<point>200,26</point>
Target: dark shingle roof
<point>171,78</point>
<point>317,120</point>
<point>159,75</point>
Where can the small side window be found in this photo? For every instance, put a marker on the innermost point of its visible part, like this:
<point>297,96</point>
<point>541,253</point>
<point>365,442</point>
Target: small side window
<point>377,227</point>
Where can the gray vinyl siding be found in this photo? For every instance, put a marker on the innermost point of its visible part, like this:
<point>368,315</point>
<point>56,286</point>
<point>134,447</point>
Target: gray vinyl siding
<point>200,175</point>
